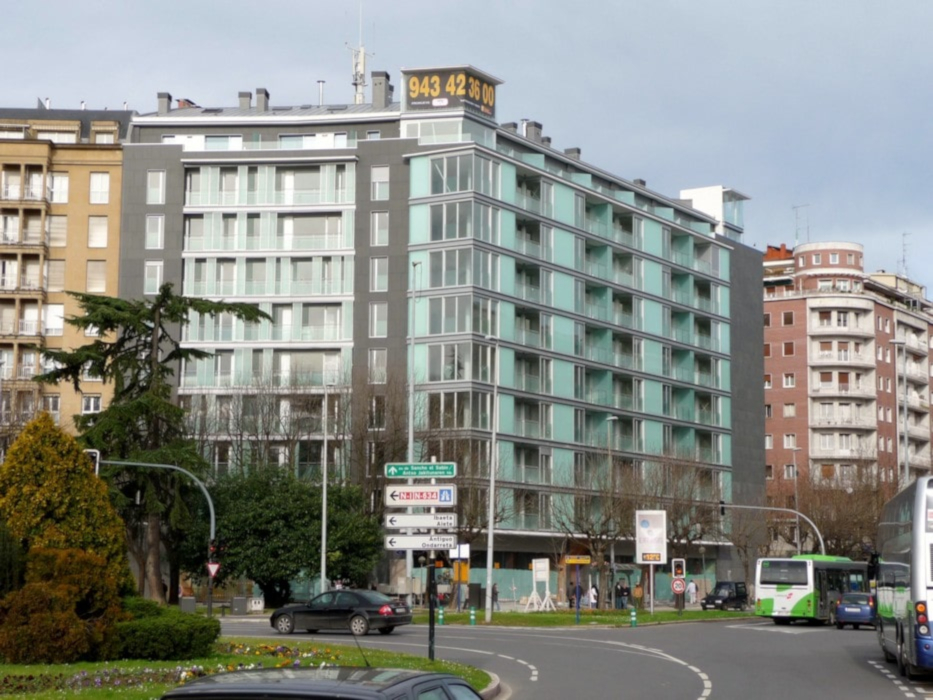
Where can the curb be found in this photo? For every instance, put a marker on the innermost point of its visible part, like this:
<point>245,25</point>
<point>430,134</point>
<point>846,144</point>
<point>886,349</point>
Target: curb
<point>493,689</point>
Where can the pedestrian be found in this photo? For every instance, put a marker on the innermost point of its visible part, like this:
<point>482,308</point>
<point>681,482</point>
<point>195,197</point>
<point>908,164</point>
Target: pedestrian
<point>594,597</point>
<point>619,588</point>
<point>692,592</point>
<point>626,594</point>
<point>495,597</point>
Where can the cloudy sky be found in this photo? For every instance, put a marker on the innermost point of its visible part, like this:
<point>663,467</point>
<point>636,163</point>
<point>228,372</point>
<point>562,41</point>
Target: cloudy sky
<point>816,109</point>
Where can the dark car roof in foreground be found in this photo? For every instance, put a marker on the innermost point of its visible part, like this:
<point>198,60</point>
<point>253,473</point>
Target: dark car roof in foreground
<point>329,681</point>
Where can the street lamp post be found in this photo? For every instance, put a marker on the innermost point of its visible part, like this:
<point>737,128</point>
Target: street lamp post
<point>702,550</point>
<point>493,466</point>
<point>415,266</point>
<point>904,458</point>
<point>611,480</point>
<point>324,495</point>
<point>794,451</point>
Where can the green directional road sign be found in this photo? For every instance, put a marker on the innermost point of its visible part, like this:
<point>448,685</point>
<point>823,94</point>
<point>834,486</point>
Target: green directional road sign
<point>421,470</point>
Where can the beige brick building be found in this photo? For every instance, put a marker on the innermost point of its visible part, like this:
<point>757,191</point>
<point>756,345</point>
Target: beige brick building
<point>60,203</point>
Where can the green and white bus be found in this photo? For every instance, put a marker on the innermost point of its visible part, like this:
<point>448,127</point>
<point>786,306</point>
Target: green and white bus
<point>806,586</point>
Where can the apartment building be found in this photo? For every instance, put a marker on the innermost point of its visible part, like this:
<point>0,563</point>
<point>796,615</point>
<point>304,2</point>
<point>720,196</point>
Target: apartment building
<point>847,370</point>
<point>60,196</point>
<point>421,236</point>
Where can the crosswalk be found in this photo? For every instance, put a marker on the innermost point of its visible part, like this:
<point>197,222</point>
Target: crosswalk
<point>911,689</point>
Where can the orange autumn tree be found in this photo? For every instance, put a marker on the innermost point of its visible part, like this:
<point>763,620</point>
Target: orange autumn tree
<point>50,498</point>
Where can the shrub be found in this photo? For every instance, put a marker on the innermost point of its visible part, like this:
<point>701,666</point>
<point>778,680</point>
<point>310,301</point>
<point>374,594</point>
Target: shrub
<point>66,611</point>
<point>162,634</point>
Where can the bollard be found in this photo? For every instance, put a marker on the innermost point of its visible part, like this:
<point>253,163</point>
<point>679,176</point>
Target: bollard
<point>472,616</point>
<point>440,616</point>
<point>633,619</point>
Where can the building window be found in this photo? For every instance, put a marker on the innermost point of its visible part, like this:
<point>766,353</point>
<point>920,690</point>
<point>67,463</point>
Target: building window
<point>379,228</point>
<point>850,258</point>
<point>372,135</point>
<point>790,441</point>
<point>817,259</point>
<point>153,277</point>
<point>104,137</point>
<point>767,350</point>
<point>790,472</point>
<point>378,319</point>
<point>56,276</point>
<point>824,285</point>
<point>787,318</point>
<point>100,188</point>
<point>769,442</point>
<point>155,187</point>
<point>58,231</point>
<point>767,320</point>
<point>96,276</point>
<point>767,381</point>
<point>155,226</point>
<point>769,472</point>
<point>790,410</point>
<point>377,365</point>
<point>378,274</point>
<point>834,258</point>
<point>90,403</point>
<point>801,261</point>
<point>767,410</point>
<point>788,348</point>
<point>842,285</point>
<point>790,381</point>
<point>97,232</point>
<point>380,178</point>
<point>58,188</point>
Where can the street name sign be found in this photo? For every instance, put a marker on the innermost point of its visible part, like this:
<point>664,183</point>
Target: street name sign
<point>577,559</point>
<point>421,470</point>
<point>434,495</point>
<point>423,521</point>
<point>420,541</point>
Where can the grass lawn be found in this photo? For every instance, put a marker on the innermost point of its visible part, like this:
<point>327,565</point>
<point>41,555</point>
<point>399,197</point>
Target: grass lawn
<point>566,618</point>
<point>141,680</point>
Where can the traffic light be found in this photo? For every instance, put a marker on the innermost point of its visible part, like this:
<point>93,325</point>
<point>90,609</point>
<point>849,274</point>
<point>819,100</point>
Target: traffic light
<point>212,550</point>
<point>678,566</point>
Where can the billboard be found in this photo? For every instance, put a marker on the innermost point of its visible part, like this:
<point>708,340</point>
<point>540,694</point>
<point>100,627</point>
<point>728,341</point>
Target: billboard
<point>651,537</point>
<point>461,87</point>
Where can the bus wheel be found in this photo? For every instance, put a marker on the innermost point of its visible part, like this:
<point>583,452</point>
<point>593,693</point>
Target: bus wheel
<point>901,661</point>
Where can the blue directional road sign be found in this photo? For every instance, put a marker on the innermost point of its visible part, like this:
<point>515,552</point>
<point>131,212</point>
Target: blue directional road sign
<point>433,495</point>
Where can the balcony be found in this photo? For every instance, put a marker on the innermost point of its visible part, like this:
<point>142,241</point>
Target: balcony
<point>533,249</point>
<point>842,390</point>
<point>534,204</point>
<point>824,358</point>
<point>533,293</point>
<point>531,338</point>
<point>532,429</point>
<point>532,383</point>
<point>919,432</point>
<point>859,422</point>
<point>863,330</point>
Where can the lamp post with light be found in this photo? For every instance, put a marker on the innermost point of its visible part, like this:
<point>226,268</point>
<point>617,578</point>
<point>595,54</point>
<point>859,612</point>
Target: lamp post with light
<point>415,266</point>
<point>794,451</point>
<point>610,479</point>
<point>493,466</point>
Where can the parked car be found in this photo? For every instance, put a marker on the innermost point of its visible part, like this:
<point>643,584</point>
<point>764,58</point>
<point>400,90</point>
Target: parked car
<point>355,610</point>
<point>327,682</point>
<point>726,594</point>
<point>855,609</point>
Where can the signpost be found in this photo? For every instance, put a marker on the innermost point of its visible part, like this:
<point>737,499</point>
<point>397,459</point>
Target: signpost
<point>651,542</point>
<point>421,470</point>
<point>423,521</point>
<point>678,586</point>
<point>402,542</point>
<point>434,495</point>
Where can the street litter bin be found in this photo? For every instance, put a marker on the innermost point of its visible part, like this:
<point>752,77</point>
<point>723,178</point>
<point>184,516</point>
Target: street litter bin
<point>188,604</point>
<point>238,605</point>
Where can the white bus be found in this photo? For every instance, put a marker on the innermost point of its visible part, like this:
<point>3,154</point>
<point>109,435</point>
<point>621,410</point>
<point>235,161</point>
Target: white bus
<point>905,580</point>
<point>806,586</point>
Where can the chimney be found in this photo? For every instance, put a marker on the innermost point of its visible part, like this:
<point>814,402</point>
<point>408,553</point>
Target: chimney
<point>48,103</point>
<point>511,126</point>
<point>262,99</point>
<point>83,107</point>
<point>640,182</point>
<point>320,92</point>
<point>533,131</point>
<point>165,102</point>
<point>382,89</point>
<point>246,100</point>
<point>572,153</point>
<point>546,140</point>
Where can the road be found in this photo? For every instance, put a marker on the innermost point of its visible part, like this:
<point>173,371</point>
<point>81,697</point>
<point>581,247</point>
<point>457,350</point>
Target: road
<point>745,658</point>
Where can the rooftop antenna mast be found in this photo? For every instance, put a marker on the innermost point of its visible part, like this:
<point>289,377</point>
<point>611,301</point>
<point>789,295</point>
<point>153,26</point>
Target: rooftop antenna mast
<point>359,66</point>
<point>797,208</point>
<point>902,263</point>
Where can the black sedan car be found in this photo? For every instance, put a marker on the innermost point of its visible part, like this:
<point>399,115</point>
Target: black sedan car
<point>327,682</point>
<point>355,610</point>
